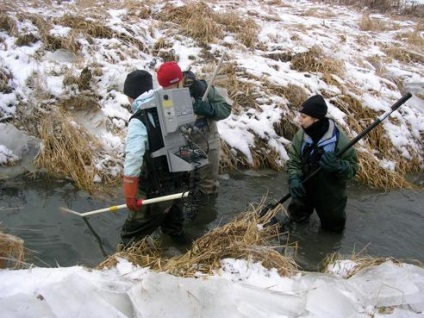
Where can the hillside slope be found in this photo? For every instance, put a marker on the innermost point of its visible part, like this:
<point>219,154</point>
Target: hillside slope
<point>63,64</point>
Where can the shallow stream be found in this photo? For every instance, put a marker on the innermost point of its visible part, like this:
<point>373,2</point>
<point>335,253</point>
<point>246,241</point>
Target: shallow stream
<point>379,223</point>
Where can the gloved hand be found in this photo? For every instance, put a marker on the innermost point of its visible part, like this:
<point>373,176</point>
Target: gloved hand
<point>203,108</point>
<point>330,163</point>
<point>296,187</point>
<point>130,192</point>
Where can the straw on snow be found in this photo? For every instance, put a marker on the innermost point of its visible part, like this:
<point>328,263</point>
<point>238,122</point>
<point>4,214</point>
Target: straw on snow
<point>243,238</point>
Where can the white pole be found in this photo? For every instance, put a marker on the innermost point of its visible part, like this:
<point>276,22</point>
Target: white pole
<point>122,206</point>
<point>205,95</point>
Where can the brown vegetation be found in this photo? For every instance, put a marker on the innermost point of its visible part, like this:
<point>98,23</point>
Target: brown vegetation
<point>68,149</point>
<point>362,262</point>
<point>11,251</point>
<point>243,238</point>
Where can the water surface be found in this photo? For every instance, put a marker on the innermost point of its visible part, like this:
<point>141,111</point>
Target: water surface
<point>379,224</point>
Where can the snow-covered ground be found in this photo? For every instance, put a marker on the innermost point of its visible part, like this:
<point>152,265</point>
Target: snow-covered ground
<point>240,289</point>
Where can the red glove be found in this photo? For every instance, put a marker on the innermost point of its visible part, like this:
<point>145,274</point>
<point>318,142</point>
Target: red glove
<point>130,193</point>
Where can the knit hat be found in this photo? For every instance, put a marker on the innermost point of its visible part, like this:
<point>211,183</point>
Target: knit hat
<point>314,106</point>
<point>137,83</point>
<point>169,73</point>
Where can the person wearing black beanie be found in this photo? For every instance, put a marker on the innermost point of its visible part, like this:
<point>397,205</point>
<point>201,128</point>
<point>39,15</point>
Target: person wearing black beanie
<point>315,107</point>
<point>147,176</point>
<point>137,83</point>
<point>313,152</point>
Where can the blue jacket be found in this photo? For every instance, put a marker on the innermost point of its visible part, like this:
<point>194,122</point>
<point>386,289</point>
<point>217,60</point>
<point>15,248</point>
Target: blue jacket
<point>137,140</point>
<point>333,140</point>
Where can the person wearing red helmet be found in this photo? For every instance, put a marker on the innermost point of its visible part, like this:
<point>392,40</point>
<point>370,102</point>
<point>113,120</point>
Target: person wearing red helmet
<point>208,113</point>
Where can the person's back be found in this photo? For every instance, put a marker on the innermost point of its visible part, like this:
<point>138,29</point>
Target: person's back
<point>145,176</point>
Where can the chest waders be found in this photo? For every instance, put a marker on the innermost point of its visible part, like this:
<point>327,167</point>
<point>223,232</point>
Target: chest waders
<point>376,122</point>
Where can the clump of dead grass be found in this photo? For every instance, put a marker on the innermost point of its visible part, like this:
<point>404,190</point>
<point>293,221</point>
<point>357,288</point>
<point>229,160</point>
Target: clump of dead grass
<point>404,55</point>
<point>195,19</point>
<point>12,252</point>
<point>243,238</point>
<point>372,174</point>
<point>5,78</point>
<point>68,149</point>
<point>50,42</point>
<point>26,39</point>
<point>245,29</point>
<point>263,156</point>
<point>362,262</point>
<point>243,93</point>
<point>96,29</point>
<point>314,61</point>
<point>7,23</point>
<point>414,37</point>
<point>228,158</point>
<point>373,24</point>
<point>377,145</point>
<point>285,56</point>
<point>92,28</point>
<point>295,95</point>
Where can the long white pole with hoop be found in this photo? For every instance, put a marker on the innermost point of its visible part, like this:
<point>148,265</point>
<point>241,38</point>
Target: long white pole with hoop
<point>123,206</point>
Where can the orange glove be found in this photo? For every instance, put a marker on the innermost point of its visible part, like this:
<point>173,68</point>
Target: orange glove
<point>130,193</point>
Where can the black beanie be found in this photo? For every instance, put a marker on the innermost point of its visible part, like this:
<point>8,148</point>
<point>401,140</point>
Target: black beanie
<point>315,107</point>
<point>137,83</point>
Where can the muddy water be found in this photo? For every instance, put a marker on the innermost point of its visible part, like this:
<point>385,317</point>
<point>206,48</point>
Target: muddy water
<point>379,224</point>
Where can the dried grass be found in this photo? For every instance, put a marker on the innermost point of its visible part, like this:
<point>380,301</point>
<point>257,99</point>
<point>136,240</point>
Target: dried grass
<point>404,55</point>
<point>372,24</point>
<point>245,29</point>
<point>378,146</point>
<point>372,174</point>
<point>5,78</point>
<point>314,61</point>
<point>7,23</point>
<point>243,238</point>
<point>92,28</point>
<point>266,157</point>
<point>195,19</point>
<point>378,63</point>
<point>244,94</point>
<point>12,251</point>
<point>414,37</point>
<point>26,39</point>
<point>68,149</point>
<point>50,41</point>
<point>229,159</point>
<point>363,262</point>
<point>286,56</point>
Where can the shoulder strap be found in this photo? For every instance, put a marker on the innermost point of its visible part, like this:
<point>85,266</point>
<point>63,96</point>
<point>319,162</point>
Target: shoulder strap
<point>150,119</point>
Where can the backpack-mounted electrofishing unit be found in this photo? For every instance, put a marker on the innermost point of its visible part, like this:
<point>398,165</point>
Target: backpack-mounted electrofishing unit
<point>171,116</point>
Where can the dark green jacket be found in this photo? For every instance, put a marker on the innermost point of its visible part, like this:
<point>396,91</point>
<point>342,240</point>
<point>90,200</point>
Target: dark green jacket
<point>323,183</point>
